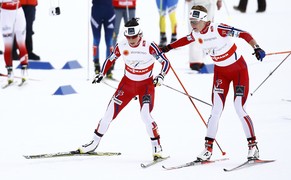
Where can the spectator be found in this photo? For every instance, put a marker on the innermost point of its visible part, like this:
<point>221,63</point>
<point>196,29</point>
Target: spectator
<point>29,8</point>
<point>102,14</point>
<point>167,7</point>
<point>242,6</point>
<point>196,55</point>
<point>13,25</point>
<point>124,9</point>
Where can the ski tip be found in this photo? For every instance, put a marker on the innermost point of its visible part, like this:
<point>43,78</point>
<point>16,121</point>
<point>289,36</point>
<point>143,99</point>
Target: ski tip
<point>265,161</point>
<point>26,157</point>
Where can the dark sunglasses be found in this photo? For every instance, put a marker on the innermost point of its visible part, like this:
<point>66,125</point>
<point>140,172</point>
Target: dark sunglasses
<point>194,22</point>
<point>131,37</point>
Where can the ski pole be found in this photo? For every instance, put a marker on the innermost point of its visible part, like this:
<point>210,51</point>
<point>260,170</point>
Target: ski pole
<point>109,85</point>
<point>187,95</point>
<point>270,74</point>
<point>226,9</point>
<point>223,153</point>
<point>127,11</point>
<point>5,75</point>
<point>88,40</point>
<point>274,53</point>
<point>135,97</point>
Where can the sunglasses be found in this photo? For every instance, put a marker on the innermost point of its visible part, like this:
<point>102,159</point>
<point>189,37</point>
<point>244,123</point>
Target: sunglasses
<point>194,22</point>
<point>131,37</point>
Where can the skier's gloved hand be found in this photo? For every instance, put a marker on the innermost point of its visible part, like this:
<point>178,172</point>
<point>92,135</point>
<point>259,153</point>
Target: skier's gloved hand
<point>259,53</point>
<point>97,78</point>
<point>166,48</point>
<point>158,80</point>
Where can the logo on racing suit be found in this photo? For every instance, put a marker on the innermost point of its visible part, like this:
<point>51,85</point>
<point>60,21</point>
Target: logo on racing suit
<point>216,88</point>
<point>115,97</point>
<point>239,90</point>
<point>200,40</point>
<point>125,52</point>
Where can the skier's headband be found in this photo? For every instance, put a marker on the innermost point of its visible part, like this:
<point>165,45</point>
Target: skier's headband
<point>132,31</point>
<point>197,15</point>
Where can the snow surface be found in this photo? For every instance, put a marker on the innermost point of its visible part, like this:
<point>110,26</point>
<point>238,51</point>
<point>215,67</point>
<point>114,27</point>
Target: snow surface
<point>35,121</point>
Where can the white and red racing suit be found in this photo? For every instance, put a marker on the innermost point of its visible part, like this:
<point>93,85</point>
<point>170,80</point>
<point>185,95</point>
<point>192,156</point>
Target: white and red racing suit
<point>13,23</point>
<point>230,66</point>
<point>137,81</point>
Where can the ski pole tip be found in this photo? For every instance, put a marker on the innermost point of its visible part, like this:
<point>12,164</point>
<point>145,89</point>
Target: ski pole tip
<point>223,153</point>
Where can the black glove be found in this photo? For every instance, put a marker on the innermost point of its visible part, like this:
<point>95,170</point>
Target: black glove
<point>259,53</point>
<point>166,48</point>
<point>158,80</point>
<point>97,78</point>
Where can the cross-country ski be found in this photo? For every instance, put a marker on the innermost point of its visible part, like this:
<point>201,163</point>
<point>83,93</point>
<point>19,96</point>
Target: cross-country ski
<point>248,163</point>
<point>9,84</point>
<point>70,153</point>
<point>193,163</point>
<point>153,162</point>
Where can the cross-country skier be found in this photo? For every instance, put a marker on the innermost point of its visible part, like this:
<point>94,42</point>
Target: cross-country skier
<point>167,7</point>
<point>13,24</point>
<point>102,15</point>
<point>139,56</point>
<point>196,56</point>
<point>230,66</point>
<point>124,9</point>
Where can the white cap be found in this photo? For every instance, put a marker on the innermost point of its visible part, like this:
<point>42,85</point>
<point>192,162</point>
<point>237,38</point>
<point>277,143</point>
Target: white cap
<point>132,31</point>
<point>197,15</point>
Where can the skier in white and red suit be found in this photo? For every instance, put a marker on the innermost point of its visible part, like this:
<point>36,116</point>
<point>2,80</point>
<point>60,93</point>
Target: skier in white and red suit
<point>13,23</point>
<point>230,66</point>
<point>139,56</point>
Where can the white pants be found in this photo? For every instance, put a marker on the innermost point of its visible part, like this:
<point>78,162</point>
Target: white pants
<point>13,23</point>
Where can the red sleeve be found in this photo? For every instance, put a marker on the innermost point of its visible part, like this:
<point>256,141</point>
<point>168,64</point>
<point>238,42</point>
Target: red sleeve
<point>183,41</point>
<point>110,60</point>
<point>246,36</point>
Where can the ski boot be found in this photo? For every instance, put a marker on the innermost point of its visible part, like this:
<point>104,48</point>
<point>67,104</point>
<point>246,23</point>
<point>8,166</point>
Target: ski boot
<point>206,154</point>
<point>157,152</point>
<point>97,66</point>
<point>92,145</point>
<point>253,152</point>
<point>174,37</point>
<point>196,66</point>
<point>10,75</point>
<point>24,73</point>
<point>163,40</point>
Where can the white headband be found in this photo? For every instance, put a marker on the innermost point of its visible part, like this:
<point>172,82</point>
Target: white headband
<point>132,31</point>
<point>198,15</point>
